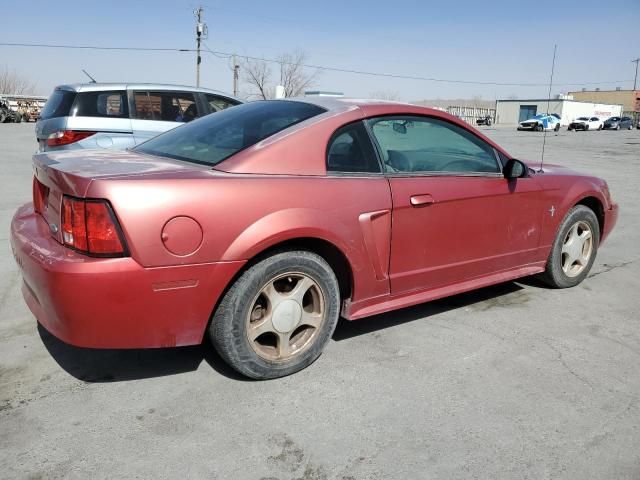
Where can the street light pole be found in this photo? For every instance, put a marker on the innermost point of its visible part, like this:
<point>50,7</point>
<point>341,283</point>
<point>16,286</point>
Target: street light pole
<point>635,80</point>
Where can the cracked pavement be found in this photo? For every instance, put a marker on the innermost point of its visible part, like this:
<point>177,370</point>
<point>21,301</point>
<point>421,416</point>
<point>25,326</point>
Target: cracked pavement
<point>514,381</point>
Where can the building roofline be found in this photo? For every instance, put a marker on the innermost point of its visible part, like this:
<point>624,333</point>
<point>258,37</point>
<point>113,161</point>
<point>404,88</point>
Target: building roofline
<point>558,100</point>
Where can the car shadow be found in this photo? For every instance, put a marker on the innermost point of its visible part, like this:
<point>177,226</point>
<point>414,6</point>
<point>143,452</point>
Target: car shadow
<point>118,365</point>
<point>348,329</point>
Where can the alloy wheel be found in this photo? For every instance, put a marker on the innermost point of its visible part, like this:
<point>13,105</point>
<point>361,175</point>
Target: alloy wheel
<point>285,317</point>
<point>577,249</point>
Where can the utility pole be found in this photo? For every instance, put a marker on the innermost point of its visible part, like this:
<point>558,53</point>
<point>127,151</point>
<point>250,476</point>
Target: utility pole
<point>635,80</point>
<point>200,29</point>
<point>236,67</point>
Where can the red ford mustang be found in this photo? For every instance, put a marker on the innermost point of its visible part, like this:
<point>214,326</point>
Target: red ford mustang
<point>262,224</point>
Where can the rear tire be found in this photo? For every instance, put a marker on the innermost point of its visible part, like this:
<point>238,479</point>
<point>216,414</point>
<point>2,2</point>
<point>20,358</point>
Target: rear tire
<point>263,326</point>
<point>574,249</point>
<point>557,128</point>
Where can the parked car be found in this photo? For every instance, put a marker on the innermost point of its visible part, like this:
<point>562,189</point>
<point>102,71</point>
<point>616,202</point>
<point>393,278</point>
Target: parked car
<point>586,123</point>
<point>119,116</point>
<point>262,224</point>
<point>7,114</point>
<point>616,123</point>
<point>541,122</point>
<point>486,120</point>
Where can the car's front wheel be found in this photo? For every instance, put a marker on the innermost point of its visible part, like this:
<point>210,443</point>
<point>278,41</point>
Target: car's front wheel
<point>574,249</point>
<point>278,316</point>
<point>557,128</point>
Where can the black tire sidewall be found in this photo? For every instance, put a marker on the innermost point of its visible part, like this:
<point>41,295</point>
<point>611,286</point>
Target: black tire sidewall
<point>554,274</point>
<point>228,331</point>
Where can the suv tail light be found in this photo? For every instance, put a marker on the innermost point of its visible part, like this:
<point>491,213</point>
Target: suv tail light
<point>90,226</point>
<point>65,137</point>
<point>40,196</point>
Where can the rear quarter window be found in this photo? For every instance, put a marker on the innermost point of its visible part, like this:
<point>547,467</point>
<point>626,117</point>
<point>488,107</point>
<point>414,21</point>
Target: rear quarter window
<point>58,105</point>
<point>110,104</point>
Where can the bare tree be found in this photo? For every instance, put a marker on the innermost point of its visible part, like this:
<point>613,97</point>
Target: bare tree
<point>385,95</point>
<point>12,82</point>
<point>257,74</point>
<point>294,77</point>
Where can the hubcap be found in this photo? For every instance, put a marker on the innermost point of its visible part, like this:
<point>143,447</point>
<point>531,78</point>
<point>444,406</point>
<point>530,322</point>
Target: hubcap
<point>577,249</point>
<point>285,317</point>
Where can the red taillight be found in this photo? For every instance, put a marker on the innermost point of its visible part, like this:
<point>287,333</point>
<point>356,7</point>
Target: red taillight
<point>90,226</point>
<point>65,137</point>
<point>40,196</point>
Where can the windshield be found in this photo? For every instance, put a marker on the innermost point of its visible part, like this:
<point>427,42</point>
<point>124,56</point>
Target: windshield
<point>614,119</point>
<point>583,118</point>
<point>216,137</point>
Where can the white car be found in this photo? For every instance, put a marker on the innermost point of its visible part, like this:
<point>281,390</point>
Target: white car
<point>541,122</point>
<point>586,123</point>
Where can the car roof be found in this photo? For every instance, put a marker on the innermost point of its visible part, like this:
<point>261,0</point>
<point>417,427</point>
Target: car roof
<point>338,104</point>
<point>93,87</point>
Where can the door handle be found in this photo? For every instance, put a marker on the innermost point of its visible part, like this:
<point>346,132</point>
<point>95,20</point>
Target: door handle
<point>422,200</point>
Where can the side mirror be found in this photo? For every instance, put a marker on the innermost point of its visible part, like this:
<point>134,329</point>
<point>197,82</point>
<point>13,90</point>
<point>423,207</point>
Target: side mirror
<point>515,169</point>
<point>399,128</point>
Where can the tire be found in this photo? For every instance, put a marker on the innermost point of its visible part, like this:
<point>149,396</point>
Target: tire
<point>246,300</point>
<point>557,128</point>
<point>17,118</point>
<point>539,128</point>
<point>2,117</point>
<point>555,275</point>
<point>618,127</point>
<point>630,127</point>
<point>586,127</point>
<point>600,127</point>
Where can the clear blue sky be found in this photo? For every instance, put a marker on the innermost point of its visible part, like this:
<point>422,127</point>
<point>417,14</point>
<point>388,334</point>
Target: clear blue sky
<point>502,41</point>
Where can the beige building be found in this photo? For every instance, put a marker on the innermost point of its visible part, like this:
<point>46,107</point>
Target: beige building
<point>629,99</point>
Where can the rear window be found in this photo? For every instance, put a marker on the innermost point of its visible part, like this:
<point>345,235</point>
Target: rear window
<point>214,138</point>
<point>101,104</point>
<point>58,104</point>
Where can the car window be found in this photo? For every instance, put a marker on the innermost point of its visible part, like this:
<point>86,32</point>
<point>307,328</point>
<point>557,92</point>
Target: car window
<point>58,105</point>
<point>594,119</point>
<point>214,138</point>
<point>217,103</point>
<point>101,104</point>
<point>350,151</point>
<point>425,144</point>
<point>165,106</point>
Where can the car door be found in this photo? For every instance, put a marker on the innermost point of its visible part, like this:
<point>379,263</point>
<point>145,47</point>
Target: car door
<point>455,216</point>
<point>156,111</point>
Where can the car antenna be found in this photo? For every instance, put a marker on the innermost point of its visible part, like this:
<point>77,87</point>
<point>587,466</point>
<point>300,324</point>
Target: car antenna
<point>544,135</point>
<point>93,80</point>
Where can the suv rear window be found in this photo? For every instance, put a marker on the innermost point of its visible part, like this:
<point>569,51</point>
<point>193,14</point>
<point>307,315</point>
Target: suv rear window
<point>58,104</point>
<point>214,138</point>
<point>112,104</point>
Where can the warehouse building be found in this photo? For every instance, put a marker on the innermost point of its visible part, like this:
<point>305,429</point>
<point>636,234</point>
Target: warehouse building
<point>516,111</point>
<point>629,99</point>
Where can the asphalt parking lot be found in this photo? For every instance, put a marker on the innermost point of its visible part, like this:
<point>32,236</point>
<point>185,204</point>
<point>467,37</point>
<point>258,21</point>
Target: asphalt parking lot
<point>513,381</point>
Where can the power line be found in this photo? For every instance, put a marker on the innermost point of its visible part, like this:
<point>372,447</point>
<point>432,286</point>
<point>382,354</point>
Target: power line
<point>318,67</point>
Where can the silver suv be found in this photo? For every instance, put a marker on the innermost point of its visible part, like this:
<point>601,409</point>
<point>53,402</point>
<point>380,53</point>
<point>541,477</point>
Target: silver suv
<point>110,115</point>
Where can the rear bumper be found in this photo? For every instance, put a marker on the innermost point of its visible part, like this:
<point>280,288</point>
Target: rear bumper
<point>610,220</point>
<point>113,302</point>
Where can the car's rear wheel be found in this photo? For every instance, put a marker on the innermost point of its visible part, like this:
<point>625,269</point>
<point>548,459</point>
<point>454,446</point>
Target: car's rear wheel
<point>557,128</point>
<point>600,127</point>
<point>278,316</point>
<point>574,249</point>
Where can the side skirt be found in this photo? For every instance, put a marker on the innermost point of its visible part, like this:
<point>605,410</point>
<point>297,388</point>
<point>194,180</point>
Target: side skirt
<point>376,305</point>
